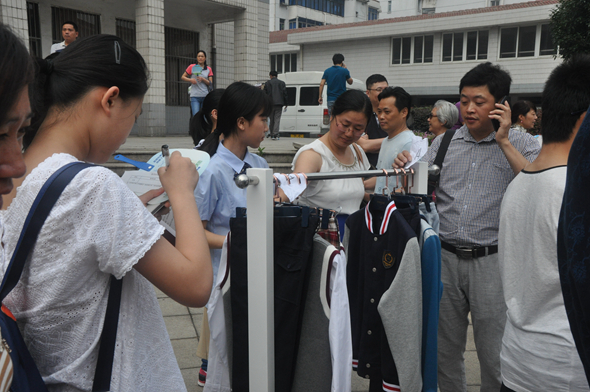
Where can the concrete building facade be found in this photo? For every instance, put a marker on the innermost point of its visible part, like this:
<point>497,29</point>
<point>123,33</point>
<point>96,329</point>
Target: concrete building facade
<point>429,53</point>
<point>234,33</point>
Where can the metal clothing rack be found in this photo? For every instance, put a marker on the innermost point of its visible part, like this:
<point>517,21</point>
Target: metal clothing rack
<point>260,259</point>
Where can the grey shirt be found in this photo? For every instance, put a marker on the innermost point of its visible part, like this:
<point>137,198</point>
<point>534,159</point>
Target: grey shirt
<point>473,180</point>
<point>277,90</point>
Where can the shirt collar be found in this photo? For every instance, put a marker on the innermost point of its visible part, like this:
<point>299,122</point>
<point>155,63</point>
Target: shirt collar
<point>233,161</point>
<point>369,221</point>
<point>463,133</point>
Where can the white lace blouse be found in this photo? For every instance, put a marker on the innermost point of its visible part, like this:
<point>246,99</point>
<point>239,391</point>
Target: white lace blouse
<point>98,227</point>
<point>344,195</point>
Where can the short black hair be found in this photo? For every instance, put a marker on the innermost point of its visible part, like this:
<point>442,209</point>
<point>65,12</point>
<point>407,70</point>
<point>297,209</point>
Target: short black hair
<point>521,107</point>
<point>566,95</point>
<point>337,59</point>
<point>273,73</point>
<point>71,23</point>
<point>402,98</point>
<point>375,78</point>
<point>494,77</point>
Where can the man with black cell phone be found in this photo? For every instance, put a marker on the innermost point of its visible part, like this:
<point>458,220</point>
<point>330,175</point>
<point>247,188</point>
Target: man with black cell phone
<point>478,165</point>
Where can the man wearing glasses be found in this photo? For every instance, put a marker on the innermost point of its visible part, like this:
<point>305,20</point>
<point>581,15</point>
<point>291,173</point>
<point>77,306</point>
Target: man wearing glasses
<point>371,141</point>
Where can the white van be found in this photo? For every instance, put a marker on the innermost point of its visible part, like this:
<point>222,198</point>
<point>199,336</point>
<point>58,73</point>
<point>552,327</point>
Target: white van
<point>305,117</point>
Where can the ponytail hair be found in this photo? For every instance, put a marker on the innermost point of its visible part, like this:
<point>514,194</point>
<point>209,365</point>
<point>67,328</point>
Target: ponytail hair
<point>211,142</point>
<point>96,61</point>
<point>201,123</point>
<point>16,71</point>
<point>240,100</point>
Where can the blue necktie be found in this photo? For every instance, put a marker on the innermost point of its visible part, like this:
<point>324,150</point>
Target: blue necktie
<point>243,171</point>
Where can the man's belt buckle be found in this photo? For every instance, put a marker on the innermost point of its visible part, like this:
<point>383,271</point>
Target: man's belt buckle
<point>464,253</point>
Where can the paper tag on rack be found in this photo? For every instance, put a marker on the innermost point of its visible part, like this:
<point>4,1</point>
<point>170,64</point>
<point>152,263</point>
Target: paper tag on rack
<point>294,186</point>
<point>418,150</point>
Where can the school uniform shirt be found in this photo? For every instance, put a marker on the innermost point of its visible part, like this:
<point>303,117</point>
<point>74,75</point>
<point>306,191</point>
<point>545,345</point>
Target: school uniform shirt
<point>376,241</point>
<point>96,229</point>
<point>217,194</point>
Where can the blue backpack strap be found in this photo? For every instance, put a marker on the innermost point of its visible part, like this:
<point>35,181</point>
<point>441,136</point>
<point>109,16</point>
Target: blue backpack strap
<point>44,202</point>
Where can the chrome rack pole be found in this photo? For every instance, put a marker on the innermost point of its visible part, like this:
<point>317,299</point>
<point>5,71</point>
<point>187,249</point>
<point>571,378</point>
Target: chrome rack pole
<point>420,180</point>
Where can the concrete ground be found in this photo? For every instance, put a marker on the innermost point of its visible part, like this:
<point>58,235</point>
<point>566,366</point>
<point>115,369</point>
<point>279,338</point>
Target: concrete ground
<point>184,323</point>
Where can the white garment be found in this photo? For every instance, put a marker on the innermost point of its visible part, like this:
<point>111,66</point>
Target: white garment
<point>98,227</point>
<point>58,47</point>
<point>218,366</point>
<point>538,350</point>
<point>340,331</point>
<point>344,194</point>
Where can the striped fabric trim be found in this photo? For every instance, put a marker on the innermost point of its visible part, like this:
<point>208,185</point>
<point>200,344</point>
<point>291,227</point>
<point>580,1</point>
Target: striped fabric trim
<point>6,368</point>
<point>390,387</point>
<point>386,216</point>
<point>355,363</point>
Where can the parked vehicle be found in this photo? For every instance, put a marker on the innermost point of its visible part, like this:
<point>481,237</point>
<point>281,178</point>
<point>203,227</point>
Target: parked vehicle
<point>304,116</point>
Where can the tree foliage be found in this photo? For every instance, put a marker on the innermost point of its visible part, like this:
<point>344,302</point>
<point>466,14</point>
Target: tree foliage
<point>570,27</point>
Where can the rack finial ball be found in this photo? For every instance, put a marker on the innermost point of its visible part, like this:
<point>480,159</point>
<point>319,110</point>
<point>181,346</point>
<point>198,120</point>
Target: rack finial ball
<point>242,181</point>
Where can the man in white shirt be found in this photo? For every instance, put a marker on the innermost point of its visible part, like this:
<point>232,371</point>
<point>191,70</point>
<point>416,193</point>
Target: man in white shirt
<point>393,111</point>
<point>69,32</point>
<point>538,349</point>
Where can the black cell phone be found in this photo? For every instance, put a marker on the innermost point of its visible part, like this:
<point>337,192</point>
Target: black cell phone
<point>495,122</point>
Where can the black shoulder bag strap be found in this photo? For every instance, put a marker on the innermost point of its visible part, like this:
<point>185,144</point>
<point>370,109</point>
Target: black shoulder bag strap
<point>444,146</point>
<point>438,160</point>
<point>40,209</point>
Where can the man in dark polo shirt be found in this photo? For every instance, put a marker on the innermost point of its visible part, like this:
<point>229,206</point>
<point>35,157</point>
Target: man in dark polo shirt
<point>374,135</point>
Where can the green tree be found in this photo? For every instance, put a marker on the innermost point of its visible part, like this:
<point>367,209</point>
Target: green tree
<point>570,27</point>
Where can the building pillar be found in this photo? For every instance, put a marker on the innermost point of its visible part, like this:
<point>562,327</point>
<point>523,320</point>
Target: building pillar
<point>251,43</point>
<point>13,13</point>
<point>149,25</point>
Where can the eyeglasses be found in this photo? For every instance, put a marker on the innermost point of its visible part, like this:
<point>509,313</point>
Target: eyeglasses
<point>378,89</point>
<point>432,115</point>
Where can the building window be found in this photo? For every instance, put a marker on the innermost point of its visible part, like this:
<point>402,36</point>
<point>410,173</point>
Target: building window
<point>281,24</point>
<point>34,29</point>
<point>477,45</point>
<point>373,13</point>
<point>428,11</point>
<point>494,3</point>
<point>389,7</point>
<point>404,53</point>
<point>283,62</point>
<point>300,23</point>
<point>523,41</point>
<point>335,7</point>
<point>547,45</point>
<point>126,31</point>
<point>88,24</point>
<point>181,47</point>
<point>473,43</point>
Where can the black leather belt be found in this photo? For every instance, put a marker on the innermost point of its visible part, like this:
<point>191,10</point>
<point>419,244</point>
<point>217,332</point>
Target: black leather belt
<point>465,252</point>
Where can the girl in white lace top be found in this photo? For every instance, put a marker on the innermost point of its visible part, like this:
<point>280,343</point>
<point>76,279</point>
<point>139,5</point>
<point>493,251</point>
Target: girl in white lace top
<point>16,73</point>
<point>94,92</point>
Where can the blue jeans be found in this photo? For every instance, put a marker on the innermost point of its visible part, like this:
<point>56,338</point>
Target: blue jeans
<point>330,105</point>
<point>196,103</point>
